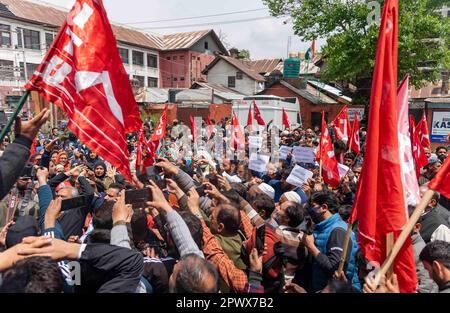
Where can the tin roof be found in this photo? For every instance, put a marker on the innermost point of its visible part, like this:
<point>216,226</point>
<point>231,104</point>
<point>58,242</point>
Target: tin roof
<point>238,64</point>
<point>264,66</point>
<point>52,17</point>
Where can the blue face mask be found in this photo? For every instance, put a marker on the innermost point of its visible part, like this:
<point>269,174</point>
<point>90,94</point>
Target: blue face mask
<point>315,213</point>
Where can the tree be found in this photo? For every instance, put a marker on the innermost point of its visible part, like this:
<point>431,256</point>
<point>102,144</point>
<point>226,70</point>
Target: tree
<point>349,52</point>
<point>244,54</point>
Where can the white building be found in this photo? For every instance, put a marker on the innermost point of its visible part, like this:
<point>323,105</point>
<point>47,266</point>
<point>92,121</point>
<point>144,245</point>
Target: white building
<point>38,24</point>
<point>234,74</point>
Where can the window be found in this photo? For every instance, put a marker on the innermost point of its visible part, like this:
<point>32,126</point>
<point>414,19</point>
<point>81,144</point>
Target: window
<point>168,58</point>
<point>182,79</point>
<point>5,35</point>
<point>175,79</point>
<point>152,60</point>
<point>49,37</point>
<point>31,37</point>
<point>181,57</point>
<point>124,55</point>
<point>239,75</point>
<point>153,82</point>
<point>174,57</point>
<point>206,45</point>
<point>6,69</point>
<point>231,81</point>
<point>198,58</point>
<point>140,79</point>
<point>30,69</point>
<point>138,58</point>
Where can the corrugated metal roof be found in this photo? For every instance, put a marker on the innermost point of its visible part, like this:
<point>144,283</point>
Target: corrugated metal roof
<point>239,64</point>
<point>219,90</point>
<point>264,66</point>
<point>311,95</point>
<point>53,17</point>
<point>332,90</point>
<point>427,91</point>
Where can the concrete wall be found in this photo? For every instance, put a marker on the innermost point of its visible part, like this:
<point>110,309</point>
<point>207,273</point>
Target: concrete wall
<point>200,46</point>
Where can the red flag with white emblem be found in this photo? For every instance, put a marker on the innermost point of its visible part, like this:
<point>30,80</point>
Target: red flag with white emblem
<point>342,125</point>
<point>354,138</point>
<point>237,135</point>
<point>420,159</point>
<point>422,131</point>
<point>329,162</point>
<point>379,206</point>
<point>83,74</point>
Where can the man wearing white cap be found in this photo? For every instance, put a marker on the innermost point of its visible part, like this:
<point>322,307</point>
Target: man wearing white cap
<point>267,189</point>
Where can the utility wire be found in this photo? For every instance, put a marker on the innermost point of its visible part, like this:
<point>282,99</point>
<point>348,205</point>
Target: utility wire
<point>195,17</point>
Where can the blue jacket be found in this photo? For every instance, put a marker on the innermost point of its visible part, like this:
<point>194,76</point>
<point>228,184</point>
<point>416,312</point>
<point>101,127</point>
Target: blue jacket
<point>321,236</point>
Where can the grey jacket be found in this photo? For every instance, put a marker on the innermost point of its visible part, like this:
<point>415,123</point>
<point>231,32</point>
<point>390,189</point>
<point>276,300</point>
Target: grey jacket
<point>426,284</point>
<point>12,162</point>
<point>185,182</point>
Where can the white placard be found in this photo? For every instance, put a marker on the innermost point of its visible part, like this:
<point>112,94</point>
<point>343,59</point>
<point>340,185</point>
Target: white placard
<point>343,169</point>
<point>255,142</point>
<point>258,162</point>
<point>299,176</point>
<point>284,151</point>
<point>304,155</point>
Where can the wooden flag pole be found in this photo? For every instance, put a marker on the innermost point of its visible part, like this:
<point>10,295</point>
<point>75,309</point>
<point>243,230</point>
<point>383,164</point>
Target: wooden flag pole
<point>389,246</point>
<point>7,128</point>
<point>406,232</point>
<point>345,248</point>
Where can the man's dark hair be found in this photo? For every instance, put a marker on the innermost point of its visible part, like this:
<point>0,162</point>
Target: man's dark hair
<point>345,211</point>
<point>233,197</point>
<point>263,202</point>
<point>340,145</point>
<point>33,275</point>
<point>325,197</point>
<point>437,250</point>
<point>350,155</point>
<point>117,186</point>
<point>194,270</point>
<point>139,222</point>
<point>295,213</point>
<point>103,223</point>
<point>441,147</point>
<point>240,189</point>
<point>195,227</point>
<point>229,216</point>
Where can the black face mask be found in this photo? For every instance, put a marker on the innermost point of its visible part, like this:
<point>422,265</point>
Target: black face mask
<point>315,215</point>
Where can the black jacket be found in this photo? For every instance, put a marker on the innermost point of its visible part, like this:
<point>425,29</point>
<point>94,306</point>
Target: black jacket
<point>429,223</point>
<point>12,162</point>
<point>110,269</point>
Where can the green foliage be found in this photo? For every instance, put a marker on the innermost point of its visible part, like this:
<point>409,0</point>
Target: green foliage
<point>244,54</point>
<point>351,43</point>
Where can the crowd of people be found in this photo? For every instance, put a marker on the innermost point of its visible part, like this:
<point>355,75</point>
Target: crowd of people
<point>206,225</point>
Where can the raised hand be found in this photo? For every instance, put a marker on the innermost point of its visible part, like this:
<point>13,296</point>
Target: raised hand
<point>31,128</point>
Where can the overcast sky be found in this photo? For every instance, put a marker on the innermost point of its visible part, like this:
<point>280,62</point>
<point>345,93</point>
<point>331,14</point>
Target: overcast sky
<point>265,38</point>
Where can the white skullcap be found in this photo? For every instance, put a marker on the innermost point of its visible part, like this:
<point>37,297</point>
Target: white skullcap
<point>293,197</point>
<point>268,190</point>
<point>232,179</point>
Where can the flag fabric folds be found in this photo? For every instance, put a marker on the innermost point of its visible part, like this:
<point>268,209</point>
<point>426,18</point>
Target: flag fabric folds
<point>329,162</point>
<point>440,182</point>
<point>286,123</point>
<point>354,138</point>
<point>83,74</point>
<point>342,125</point>
<point>379,205</point>
<point>257,115</point>
<point>423,133</point>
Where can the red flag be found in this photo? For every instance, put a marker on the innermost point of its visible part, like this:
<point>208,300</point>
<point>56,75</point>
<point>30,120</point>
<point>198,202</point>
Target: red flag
<point>237,135</point>
<point>379,205</point>
<point>313,47</point>
<point>144,156</point>
<point>440,182</point>
<point>158,135</point>
<point>422,130</point>
<point>420,159</point>
<point>249,116</point>
<point>409,178</point>
<point>329,162</point>
<point>342,125</point>
<point>257,115</point>
<point>354,138</point>
<point>83,74</point>
<point>193,130</point>
<point>286,120</point>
